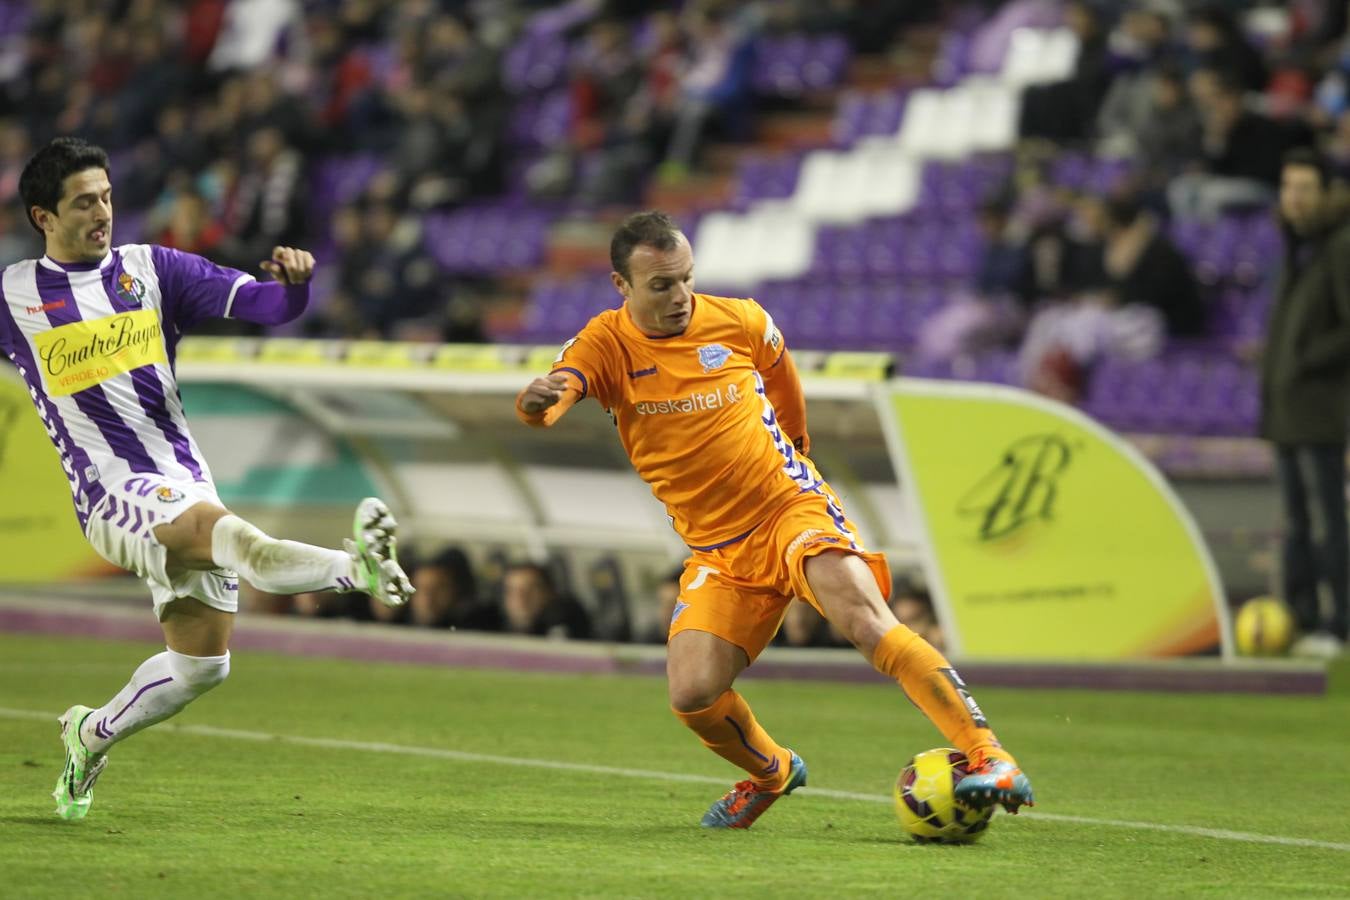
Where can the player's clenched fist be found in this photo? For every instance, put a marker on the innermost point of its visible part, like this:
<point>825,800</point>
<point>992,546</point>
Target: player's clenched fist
<point>289,265</point>
<point>542,393</point>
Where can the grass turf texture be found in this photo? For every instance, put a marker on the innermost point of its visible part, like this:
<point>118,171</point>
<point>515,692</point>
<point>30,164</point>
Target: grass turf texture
<point>179,813</point>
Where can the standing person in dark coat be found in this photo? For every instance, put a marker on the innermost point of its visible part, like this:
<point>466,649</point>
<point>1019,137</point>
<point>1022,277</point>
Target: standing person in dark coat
<point>1305,395</point>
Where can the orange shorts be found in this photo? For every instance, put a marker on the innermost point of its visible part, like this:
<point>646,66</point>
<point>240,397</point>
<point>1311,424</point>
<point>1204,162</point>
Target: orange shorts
<point>740,592</point>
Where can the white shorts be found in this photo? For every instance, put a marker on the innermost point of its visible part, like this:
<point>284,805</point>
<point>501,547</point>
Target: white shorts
<point>121,530</point>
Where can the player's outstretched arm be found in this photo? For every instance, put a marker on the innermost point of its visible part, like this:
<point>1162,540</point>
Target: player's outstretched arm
<point>545,399</point>
<point>282,300</point>
<point>783,387</point>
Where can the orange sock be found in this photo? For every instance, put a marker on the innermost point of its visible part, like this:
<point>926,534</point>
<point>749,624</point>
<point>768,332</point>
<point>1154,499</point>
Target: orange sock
<point>728,728</point>
<point>933,686</point>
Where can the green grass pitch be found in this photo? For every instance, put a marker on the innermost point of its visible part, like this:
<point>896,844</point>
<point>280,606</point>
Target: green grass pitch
<point>446,783</point>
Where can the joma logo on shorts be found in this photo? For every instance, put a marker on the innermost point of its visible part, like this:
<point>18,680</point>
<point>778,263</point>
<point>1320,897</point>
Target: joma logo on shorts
<point>699,401</point>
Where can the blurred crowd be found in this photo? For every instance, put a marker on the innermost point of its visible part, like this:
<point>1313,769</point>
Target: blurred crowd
<point>220,114</point>
<point>1199,104</point>
<point>526,597</point>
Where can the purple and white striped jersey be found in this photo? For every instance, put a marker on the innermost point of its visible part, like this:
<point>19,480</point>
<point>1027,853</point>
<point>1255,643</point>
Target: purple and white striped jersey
<point>95,343</point>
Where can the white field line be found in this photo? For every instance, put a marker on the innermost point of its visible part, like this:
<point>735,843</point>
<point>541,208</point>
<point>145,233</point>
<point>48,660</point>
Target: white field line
<point>462,756</point>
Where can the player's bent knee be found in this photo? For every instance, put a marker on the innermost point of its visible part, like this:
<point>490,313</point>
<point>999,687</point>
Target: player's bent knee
<point>692,697</point>
<point>199,674</point>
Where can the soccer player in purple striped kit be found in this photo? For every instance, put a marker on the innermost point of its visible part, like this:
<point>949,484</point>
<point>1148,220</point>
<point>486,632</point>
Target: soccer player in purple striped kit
<point>93,329</point>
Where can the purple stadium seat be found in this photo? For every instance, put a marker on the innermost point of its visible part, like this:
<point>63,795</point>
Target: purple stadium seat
<point>952,60</point>
<point>762,176</point>
<point>849,325</point>
<point>794,64</point>
<point>875,113</point>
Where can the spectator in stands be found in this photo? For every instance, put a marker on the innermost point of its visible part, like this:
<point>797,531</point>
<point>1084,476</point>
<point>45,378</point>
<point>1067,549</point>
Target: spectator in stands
<point>610,615</point>
<point>1066,110</point>
<point>1169,136</point>
<point>1153,122</point>
<point>447,595</point>
<point>1138,46</point>
<point>267,206</point>
<point>389,274</point>
<point>1147,292</point>
<point>650,113</point>
<point>1064,243</point>
<point>533,604</point>
<point>1144,268</point>
<point>342,315</point>
<point>181,145</point>
<point>190,227</point>
<point>715,86</point>
<point>803,626</point>
<point>1305,396</point>
<point>1215,41</point>
<point>1241,149</point>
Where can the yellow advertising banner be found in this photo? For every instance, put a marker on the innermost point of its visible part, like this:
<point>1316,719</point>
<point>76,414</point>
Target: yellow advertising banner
<point>38,530</point>
<point>1046,536</point>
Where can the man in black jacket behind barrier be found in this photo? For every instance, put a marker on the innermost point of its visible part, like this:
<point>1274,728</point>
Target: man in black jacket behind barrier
<point>1305,395</point>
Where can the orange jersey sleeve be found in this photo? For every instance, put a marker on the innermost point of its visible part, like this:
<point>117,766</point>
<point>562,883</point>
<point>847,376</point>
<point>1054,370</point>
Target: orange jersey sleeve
<point>781,382</point>
<point>694,414</point>
<point>584,362</point>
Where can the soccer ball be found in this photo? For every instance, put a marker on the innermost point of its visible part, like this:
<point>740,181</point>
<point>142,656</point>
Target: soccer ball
<point>1264,627</point>
<point>926,805</point>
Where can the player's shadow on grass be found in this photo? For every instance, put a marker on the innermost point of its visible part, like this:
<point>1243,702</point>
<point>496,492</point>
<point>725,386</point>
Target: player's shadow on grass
<point>549,828</point>
<point>35,820</point>
<point>906,844</point>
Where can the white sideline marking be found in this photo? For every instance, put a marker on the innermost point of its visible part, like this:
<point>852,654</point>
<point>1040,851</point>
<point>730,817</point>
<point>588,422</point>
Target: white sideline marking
<point>463,756</point>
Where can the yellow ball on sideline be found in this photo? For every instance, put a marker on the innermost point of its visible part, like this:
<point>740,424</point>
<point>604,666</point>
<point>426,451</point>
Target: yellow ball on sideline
<point>1264,627</point>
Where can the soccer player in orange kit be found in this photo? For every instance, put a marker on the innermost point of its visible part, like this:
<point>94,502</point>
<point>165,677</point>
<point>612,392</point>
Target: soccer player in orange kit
<point>710,409</point>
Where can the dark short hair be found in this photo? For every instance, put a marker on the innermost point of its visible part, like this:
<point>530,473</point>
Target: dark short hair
<point>652,228</point>
<point>1308,158</point>
<point>540,570</point>
<point>45,175</point>
<point>455,563</point>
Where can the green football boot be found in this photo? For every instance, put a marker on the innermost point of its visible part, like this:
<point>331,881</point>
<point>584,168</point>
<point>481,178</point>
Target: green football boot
<point>75,788</point>
<point>374,549</point>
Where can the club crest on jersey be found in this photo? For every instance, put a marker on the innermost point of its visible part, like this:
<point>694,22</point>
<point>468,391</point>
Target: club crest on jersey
<point>168,495</point>
<point>129,289</point>
<point>713,356</point>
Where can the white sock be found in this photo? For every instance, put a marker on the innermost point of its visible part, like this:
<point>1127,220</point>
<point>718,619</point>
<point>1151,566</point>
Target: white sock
<point>279,567</point>
<point>161,686</point>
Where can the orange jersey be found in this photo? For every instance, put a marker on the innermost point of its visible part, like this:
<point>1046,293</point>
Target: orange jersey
<point>708,417</point>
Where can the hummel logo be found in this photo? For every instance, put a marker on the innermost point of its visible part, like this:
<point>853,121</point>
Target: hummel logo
<point>46,307</point>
